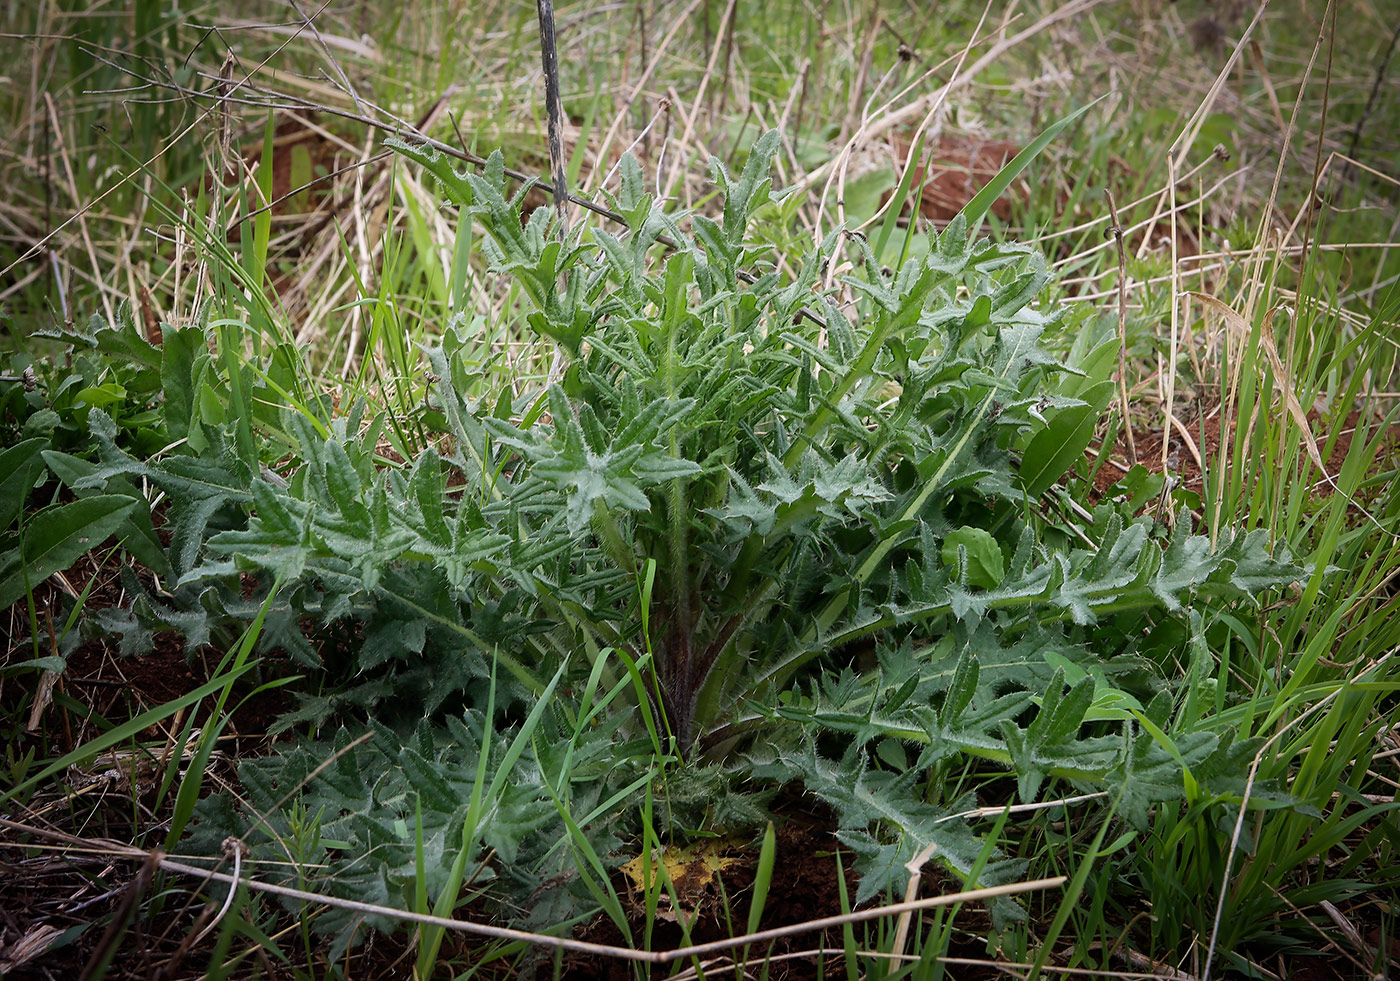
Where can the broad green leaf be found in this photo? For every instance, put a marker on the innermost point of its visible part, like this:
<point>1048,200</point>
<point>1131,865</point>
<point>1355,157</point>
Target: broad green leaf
<point>56,537</point>
<point>19,468</point>
<point>1061,444</point>
<point>180,347</point>
<point>138,533</point>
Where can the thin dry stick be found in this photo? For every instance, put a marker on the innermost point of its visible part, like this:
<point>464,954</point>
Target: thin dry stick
<point>1013,968</point>
<point>1117,229</point>
<point>1175,320</point>
<point>554,111</point>
<point>365,162</point>
<point>57,131</point>
<point>867,59</point>
<point>627,953</point>
<point>663,108</point>
<point>545,940</point>
<point>1188,135</point>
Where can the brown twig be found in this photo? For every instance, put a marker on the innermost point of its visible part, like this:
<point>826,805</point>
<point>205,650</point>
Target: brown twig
<point>1321,145</point>
<point>554,110</point>
<point>1371,101</point>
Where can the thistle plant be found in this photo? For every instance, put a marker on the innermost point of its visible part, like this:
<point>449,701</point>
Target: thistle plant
<point>793,474</point>
<point>791,519</point>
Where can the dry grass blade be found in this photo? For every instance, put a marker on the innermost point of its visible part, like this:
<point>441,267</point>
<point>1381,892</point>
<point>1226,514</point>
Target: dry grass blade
<point>915,867</point>
<point>1240,327</point>
<point>1117,229</point>
<point>681,20</point>
<point>1187,138</point>
<point>80,212</point>
<point>36,940</point>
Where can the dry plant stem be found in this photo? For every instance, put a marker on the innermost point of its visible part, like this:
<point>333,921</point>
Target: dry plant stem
<point>326,49</point>
<point>1016,969</point>
<point>663,108</point>
<point>915,868</point>
<point>1255,276</point>
<point>365,162</point>
<point>1371,101</point>
<point>1149,224</point>
<point>554,111</point>
<point>1311,207</point>
<point>1175,322</point>
<point>398,127</point>
<point>853,114</point>
<point>1051,235</point>
<point>233,848</point>
<point>60,146</point>
<point>1117,230</point>
<point>1343,925</point>
<point>116,849</point>
<point>690,119</point>
<point>924,124</point>
<point>1182,144</point>
<point>838,167</point>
